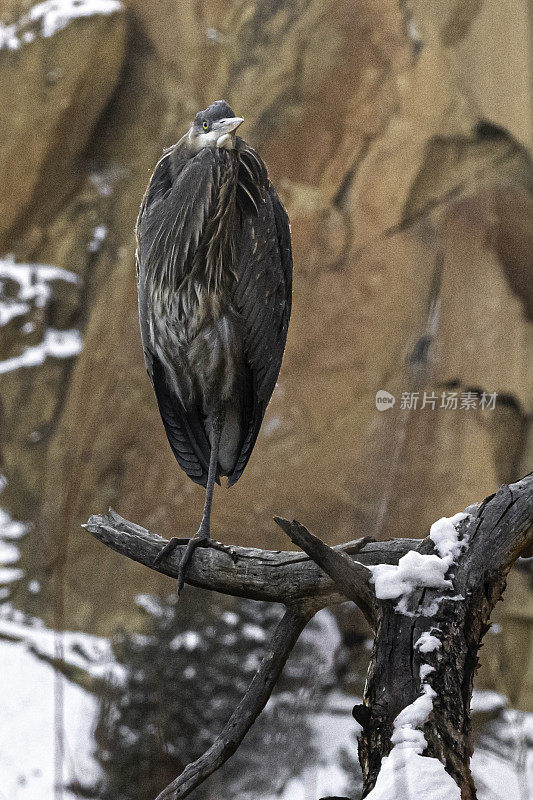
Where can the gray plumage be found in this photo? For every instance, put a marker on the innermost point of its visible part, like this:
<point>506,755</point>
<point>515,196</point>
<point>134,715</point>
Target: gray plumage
<point>214,271</point>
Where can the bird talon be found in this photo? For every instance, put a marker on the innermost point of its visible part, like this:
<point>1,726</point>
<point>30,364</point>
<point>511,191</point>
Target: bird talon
<point>200,540</point>
<point>167,550</point>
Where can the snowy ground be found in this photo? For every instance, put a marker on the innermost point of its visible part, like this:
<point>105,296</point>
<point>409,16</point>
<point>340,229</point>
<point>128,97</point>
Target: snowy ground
<point>27,742</point>
<point>503,768</point>
<point>503,763</point>
<point>28,689</point>
<point>27,732</point>
<point>334,729</point>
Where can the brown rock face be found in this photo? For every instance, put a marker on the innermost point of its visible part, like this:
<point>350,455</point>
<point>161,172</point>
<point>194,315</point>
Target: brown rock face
<point>53,89</point>
<point>409,223</point>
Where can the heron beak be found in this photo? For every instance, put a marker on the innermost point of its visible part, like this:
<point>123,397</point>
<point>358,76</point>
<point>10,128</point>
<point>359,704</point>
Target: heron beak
<point>228,125</point>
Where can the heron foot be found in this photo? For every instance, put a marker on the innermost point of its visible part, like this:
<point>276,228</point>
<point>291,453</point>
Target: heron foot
<point>200,539</point>
<point>167,550</point>
<point>223,548</point>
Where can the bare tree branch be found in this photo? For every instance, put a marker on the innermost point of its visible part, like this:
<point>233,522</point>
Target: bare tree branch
<point>349,576</point>
<point>272,575</point>
<point>283,640</point>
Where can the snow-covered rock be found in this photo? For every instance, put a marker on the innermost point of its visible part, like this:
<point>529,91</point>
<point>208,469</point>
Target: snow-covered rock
<point>47,18</point>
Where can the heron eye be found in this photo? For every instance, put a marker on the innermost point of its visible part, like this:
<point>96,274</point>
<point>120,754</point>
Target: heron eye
<point>205,124</point>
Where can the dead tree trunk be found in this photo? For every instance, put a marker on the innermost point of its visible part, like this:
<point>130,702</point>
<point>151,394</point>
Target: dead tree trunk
<point>429,603</point>
<point>441,630</point>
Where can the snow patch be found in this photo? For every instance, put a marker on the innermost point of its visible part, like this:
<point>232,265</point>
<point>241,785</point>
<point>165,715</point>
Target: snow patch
<point>92,654</point>
<point>10,530</point>
<point>33,286</point>
<point>332,730</point>
<point>516,726</point>
<point>9,309</point>
<point>444,535</point>
<point>253,632</point>
<point>230,618</point>
<point>150,604</point>
<point>189,640</point>
<point>406,774</point>
<point>56,344</point>
<point>413,570</point>
<point>99,236</point>
<point>48,18</point>
<point>502,766</point>
<point>10,575</point>
<point>427,643</point>
<point>8,37</point>
<point>416,571</point>
<point>425,670</point>
<point>484,700</point>
<point>54,15</point>
<point>411,719</point>
<point>9,554</point>
<point>33,282</point>
<point>27,742</point>
<point>33,279</point>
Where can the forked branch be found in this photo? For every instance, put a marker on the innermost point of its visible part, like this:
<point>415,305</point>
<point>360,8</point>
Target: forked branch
<point>349,576</point>
<point>456,616</point>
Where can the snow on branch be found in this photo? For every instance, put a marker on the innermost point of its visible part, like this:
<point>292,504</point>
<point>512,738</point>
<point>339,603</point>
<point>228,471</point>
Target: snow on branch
<point>435,611</point>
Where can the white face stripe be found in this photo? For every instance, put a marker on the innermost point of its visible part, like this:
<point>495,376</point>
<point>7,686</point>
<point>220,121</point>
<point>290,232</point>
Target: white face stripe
<point>222,134</point>
<point>212,139</point>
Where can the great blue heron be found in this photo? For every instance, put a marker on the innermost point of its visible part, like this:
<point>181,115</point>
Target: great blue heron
<point>214,268</point>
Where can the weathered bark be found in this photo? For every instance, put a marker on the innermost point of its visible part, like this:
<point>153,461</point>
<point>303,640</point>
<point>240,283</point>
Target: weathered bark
<point>492,536</point>
<point>349,576</point>
<point>272,575</point>
<point>495,534</point>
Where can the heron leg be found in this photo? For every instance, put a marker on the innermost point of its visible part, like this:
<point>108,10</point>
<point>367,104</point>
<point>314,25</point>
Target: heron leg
<point>204,531</point>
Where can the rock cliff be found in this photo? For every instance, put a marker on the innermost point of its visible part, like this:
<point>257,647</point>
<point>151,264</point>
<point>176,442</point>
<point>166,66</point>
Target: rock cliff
<point>398,136</point>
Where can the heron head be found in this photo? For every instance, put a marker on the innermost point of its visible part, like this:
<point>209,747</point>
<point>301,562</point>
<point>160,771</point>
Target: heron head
<point>214,127</point>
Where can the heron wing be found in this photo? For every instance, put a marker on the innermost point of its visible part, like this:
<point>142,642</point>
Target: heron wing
<point>173,214</point>
<point>262,295</point>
